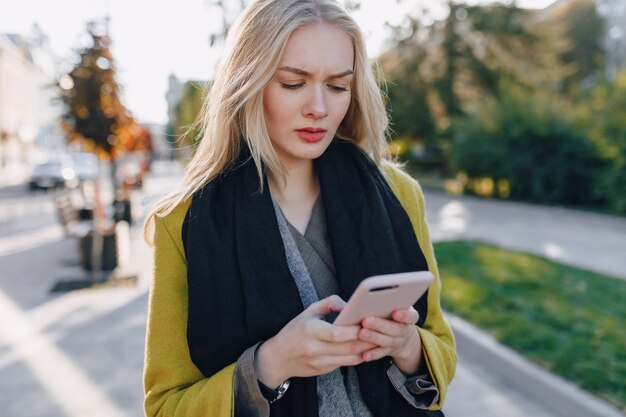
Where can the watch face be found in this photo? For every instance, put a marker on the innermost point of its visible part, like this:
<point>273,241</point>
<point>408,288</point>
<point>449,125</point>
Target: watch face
<point>283,387</point>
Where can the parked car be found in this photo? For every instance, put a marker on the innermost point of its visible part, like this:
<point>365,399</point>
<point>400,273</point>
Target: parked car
<point>53,174</point>
<point>85,165</point>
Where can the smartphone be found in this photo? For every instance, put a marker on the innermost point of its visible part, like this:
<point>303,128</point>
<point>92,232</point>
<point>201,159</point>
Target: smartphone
<point>380,295</point>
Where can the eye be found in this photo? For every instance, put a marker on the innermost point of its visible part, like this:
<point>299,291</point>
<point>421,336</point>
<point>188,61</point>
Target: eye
<point>337,89</point>
<point>291,86</point>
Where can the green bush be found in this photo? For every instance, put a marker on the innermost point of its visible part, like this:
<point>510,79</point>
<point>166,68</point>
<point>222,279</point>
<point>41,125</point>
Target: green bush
<point>526,141</point>
<point>602,114</point>
<point>613,186</point>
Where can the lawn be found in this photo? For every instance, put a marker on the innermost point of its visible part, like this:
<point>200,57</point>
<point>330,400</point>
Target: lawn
<point>568,320</point>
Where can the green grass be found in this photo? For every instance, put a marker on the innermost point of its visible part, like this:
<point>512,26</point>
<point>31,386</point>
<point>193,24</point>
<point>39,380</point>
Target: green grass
<point>568,320</point>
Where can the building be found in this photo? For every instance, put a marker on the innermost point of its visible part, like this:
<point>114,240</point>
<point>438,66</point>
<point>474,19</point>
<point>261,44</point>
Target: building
<point>172,96</point>
<point>28,110</point>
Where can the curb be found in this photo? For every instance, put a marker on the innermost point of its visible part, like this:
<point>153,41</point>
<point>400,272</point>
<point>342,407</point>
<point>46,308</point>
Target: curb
<point>553,392</point>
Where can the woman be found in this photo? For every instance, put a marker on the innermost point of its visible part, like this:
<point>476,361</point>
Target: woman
<point>287,204</point>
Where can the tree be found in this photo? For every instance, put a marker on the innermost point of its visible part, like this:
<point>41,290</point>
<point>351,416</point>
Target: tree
<point>186,124</point>
<point>228,10</point>
<point>446,68</point>
<point>408,102</point>
<point>584,30</point>
<point>526,146</point>
<point>602,115</point>
<point>95,115</point>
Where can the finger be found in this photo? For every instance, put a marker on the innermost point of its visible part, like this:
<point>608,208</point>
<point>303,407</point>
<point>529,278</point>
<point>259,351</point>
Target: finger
<point>349,360</point>
<point>356,347</point>
<point>332,304</point>
<point>388,327</point>
<point>377,338</point>
<point>329,363</point>
<point>329,333</point>
<point>406,315</point>
<point>324,332</point>
<point>375,354</point>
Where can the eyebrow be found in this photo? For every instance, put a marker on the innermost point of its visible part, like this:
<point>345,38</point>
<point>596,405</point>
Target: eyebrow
<point>306,73</point>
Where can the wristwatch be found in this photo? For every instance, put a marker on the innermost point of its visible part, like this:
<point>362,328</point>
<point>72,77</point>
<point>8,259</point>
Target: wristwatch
<point>272,395</point>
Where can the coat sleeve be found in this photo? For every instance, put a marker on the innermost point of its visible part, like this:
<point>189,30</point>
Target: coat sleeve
<point>173,384</point>
<point>438,343</point>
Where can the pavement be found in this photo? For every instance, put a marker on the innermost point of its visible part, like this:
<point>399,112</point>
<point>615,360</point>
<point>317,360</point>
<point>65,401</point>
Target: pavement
<point>588,240</point>
<point>80,353</point>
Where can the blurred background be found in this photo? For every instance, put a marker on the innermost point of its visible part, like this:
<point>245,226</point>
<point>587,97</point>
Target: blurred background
<point>511,114</point>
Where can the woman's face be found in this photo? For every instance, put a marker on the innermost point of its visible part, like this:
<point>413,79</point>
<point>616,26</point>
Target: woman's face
<point>309,95</point>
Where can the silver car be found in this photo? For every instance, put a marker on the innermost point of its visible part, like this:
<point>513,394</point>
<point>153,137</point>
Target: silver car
<point>53,174</point>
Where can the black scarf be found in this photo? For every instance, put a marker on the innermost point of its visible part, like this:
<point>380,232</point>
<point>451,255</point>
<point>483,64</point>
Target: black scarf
<point>240,287</point>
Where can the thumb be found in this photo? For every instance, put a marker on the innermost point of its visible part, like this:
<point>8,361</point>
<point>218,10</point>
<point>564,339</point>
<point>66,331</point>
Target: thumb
<point>332,304</point>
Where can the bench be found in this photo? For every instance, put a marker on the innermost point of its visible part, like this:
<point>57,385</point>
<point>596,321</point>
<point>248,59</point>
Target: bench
<point>76,221</point>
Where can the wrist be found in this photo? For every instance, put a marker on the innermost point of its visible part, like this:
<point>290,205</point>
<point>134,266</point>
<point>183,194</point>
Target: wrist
<point>272,395</point>
<point>266,367</point>
<point>409,359</point>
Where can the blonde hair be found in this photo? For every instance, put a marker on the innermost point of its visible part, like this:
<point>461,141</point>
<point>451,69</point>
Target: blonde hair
<point>233,108</point>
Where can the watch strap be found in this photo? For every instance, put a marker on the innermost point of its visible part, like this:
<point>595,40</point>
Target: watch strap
<point>273,395</point>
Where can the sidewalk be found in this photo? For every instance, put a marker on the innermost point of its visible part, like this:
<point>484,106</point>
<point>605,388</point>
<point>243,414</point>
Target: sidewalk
<point>74,354</point>
<point>587,240</point>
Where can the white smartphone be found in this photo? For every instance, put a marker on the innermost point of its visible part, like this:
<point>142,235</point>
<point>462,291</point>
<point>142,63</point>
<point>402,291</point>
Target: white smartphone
<point>380,295</point>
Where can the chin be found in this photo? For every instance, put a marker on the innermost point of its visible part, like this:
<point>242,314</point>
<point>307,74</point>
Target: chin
<point>315,150</point>
<point>303,151</point>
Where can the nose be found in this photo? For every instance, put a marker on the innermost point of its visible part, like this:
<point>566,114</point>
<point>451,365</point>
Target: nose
<point>316,106</point>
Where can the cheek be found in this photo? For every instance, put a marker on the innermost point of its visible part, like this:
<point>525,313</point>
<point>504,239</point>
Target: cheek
<point>277,106</point>
<point>341,107</point>
<point>269,101</point>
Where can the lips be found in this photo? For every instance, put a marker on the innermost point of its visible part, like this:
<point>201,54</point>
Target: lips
<point>311,134</point>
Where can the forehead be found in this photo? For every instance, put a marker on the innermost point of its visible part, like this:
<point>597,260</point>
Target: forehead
<point>319,49</point>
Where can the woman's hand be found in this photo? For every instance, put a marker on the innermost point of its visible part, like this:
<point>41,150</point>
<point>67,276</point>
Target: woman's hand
<point>310,346</point>
<point>397,338</point>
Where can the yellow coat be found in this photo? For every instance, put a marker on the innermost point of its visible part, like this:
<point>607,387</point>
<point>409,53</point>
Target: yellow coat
<point>175,387</point>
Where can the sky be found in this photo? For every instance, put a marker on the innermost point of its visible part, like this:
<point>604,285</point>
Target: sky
<point>153,39</point>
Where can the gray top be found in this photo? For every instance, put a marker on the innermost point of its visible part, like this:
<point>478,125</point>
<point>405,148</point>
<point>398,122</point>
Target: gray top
<point>315,251</point>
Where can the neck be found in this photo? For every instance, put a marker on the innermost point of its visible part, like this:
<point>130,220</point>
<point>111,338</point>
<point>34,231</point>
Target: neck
<point>301,184</point>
